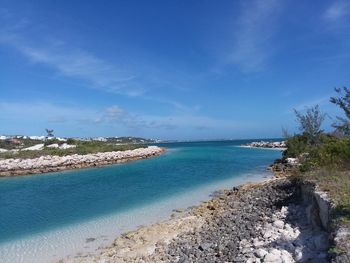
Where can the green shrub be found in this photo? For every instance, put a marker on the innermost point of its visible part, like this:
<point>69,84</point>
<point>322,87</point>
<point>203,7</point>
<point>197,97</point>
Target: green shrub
<point>333,152</point>
<point>296,145</point>
<point>71,141</point>
<point>330,151</point>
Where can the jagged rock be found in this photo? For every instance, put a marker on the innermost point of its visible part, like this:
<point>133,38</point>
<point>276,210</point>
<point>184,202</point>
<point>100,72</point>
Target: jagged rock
<point>279,224</point>
<point>260,253</point>
<point>273,256</point>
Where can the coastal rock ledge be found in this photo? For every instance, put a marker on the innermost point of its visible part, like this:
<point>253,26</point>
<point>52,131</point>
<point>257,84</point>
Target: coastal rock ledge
<point>44,164</point>
<point>277,221</point>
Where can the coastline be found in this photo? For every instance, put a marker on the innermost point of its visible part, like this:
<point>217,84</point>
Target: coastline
<point>48,164</point>
<point>254,221</point>
<point>86,239</point>
<point>131,246</point>
<point>251,222</point>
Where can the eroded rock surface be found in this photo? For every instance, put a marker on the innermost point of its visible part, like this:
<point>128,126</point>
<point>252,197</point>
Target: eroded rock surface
<point>254,223</point>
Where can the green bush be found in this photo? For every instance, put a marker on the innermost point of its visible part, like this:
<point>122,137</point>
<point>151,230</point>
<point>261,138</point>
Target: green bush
<point>71,141</point>
<point>330,151</point>
<point>333,152</point>
<point>296,145</point>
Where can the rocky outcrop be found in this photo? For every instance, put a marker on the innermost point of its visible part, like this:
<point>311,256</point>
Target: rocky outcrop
<point>263,144</point>
<point>320,211</point>
<point>43,164</point>
<point>268,222</point>
<point>319,206</point>
<point>283,167</point>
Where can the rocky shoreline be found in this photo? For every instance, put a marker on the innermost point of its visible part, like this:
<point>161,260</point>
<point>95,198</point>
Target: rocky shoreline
<point>279,220</point>
<point>45,164</point>
<point>267,145</point>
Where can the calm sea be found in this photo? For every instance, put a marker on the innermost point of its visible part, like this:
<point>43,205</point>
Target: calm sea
<point>50,215</point>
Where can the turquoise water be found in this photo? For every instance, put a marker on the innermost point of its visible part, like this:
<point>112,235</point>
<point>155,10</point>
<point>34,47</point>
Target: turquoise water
<point>33,205</point>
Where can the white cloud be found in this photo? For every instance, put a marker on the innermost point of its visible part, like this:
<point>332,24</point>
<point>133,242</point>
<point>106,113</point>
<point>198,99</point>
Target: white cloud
<point>97,73</point>
<point>337,11</point>
<point>114,111</point>
<point>253,34</point>
<point>68,61</point>
<point>92,71</point>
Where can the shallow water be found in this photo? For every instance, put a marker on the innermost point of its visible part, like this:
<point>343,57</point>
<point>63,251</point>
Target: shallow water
<point>45,217</point>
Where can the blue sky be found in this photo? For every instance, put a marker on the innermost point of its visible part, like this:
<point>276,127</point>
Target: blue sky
<point>169,69</point>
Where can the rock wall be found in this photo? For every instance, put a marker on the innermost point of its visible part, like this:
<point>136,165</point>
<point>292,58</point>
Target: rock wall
<point>319,206</point>
<point>44,164</point>
<point>319,214</point>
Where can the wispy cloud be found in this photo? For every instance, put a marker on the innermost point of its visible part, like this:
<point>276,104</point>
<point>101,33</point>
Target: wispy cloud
<point>92,71</point>
<point>174,103</point>
<point>318,101</point>
<point>337,10</point>
<point>254,30</point>
<point>68,61</point>
<point>95,72</point>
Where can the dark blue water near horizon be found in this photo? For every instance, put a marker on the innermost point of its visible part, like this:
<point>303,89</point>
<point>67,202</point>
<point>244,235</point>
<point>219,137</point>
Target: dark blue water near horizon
<point>38,203</point>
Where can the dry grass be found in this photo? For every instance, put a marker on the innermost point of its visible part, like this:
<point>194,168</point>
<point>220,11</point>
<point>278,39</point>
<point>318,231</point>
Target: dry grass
<point>337,184</point>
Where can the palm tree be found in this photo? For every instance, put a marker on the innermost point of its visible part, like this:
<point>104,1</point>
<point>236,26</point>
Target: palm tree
<point>49,133</point>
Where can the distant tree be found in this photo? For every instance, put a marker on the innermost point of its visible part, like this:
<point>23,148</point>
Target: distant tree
<point>343,101</point>
<point>49,133</point>
<point>310,123</point>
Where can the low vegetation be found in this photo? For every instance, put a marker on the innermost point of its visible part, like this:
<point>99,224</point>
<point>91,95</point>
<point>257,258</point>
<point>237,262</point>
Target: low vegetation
<point>325,157</point>
<point>12,144</point>
<point>330,152</point>
<point>337,184</point>
<point>82,147</point>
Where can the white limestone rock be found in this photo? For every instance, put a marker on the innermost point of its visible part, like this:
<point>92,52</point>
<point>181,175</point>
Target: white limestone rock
<point>54,145</point>
<point>278,224</point>
<point>36,147</point>
<point>260,253</point>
